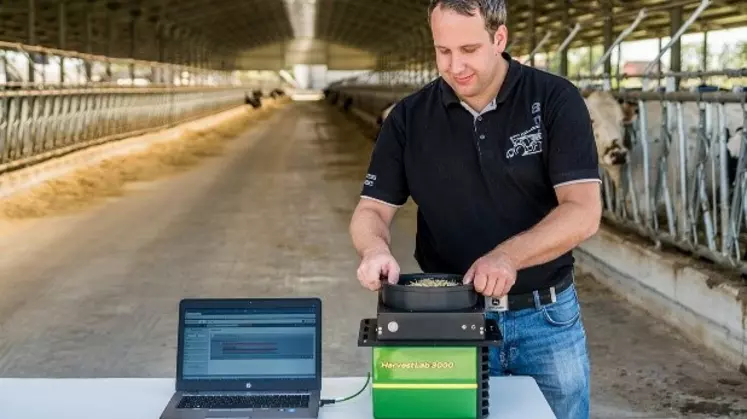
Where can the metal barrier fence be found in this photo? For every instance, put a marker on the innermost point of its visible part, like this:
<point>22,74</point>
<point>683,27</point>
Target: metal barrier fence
<point>41,117</point>
<point>35,124</point>
<point>28,66</point>
<point>685,182</point>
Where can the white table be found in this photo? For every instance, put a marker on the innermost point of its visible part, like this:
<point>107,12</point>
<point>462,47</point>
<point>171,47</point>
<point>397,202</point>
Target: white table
<point>145,398</point>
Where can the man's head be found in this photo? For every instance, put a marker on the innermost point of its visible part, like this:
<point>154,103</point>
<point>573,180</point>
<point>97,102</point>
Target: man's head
<point>469,37</point>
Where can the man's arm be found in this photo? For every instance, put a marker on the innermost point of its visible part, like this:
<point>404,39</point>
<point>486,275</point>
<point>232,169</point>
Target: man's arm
<point>384,190</point>
<point>573,169</point>
<point>369,226</point>
<point>575,219</point>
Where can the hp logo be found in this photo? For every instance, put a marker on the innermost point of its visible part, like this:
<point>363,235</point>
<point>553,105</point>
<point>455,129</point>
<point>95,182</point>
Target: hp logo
<point>248,385</point>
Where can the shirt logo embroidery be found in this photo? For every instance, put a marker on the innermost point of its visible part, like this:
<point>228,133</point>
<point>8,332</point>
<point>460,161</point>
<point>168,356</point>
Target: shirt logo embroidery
<point>530,141</point>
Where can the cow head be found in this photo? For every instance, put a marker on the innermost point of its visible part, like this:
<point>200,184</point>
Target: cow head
<point>734,141</point>
<point>734,149</point>
<point>630,110</point>
<point>607,119</point>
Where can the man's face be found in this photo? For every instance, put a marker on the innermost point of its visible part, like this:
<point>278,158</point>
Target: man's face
<point>466,56</point>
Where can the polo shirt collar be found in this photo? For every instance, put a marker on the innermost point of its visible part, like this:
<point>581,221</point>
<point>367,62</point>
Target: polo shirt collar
<point>449,97</point>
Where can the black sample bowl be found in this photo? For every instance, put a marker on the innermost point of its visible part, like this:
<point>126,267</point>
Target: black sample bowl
<point>405,297</point>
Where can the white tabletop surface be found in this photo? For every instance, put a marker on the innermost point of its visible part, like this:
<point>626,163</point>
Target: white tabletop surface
<point>145,398</point>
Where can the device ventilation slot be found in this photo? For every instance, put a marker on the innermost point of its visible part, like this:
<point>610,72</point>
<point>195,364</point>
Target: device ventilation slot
<point>483,385</point>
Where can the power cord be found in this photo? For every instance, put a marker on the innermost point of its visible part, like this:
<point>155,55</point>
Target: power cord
<point>324,402</point>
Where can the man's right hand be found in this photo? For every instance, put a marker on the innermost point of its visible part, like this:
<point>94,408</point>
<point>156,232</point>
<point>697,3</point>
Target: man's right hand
<point>375,265</point>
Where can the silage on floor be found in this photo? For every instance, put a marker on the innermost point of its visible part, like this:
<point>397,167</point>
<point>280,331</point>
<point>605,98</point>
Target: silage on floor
<point>108,178</point>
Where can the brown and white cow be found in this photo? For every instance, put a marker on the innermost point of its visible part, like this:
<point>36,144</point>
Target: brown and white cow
<point>607,120</point>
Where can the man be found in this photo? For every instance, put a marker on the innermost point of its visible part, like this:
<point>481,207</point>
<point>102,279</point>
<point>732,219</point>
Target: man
<point>501,161</point>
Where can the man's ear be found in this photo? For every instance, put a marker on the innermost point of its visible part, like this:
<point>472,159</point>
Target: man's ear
<point>500,39</point>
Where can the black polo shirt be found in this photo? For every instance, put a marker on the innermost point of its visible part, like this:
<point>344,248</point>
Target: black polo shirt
<point>479,179</point>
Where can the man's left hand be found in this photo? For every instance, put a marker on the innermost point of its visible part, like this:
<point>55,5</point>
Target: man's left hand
<point>493,275</point>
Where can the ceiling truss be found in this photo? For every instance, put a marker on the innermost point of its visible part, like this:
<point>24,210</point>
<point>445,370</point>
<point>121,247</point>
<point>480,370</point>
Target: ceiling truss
<point>211,32</point>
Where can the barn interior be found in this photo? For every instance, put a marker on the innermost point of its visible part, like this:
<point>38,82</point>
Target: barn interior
<point>159,150</point>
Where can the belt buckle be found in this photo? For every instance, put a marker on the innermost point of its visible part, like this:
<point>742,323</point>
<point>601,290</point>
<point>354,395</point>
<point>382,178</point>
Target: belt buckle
<point>496,304</point>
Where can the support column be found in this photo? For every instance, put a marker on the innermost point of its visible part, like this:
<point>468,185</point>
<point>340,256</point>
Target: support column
<point>206,58</point>
<point>3,21</point>
<point>197,58</point>
<point>167,75</point>
<point>608,35</point>
<point>532,29</point>
<point>176,54</point>
<point>32,38</point>
<point>134,16</point>
<point>704,58</point>
<point>192,57</point>
<point>62,36</point>
<point>164,53</point>
<point>89,46</point>
<point>676,50</point>
<point>564,53</point>
<point>153,54</point>
<point>618,69</point>
<point>110,30</point>
<point>658,63</point>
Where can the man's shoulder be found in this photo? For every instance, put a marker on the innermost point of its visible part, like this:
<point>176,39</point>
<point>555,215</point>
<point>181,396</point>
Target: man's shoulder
<point>418,101</point>
<point>555,87</point>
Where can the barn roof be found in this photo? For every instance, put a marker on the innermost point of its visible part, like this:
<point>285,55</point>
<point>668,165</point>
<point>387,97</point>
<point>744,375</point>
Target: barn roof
<point>230,27</point>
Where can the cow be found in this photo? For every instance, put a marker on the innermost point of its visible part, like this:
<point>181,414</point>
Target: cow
<point>253,100</point>
<point>654,140</point>
<point>734,148</point>
<point>607,121</point>
<point>628,114</point>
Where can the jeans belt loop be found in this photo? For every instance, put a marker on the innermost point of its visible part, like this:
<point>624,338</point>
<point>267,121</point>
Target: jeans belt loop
<point>536,299</point>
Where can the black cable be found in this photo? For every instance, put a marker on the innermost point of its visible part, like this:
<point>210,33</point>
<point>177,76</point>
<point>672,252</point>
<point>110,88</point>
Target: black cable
<point>324,402</point>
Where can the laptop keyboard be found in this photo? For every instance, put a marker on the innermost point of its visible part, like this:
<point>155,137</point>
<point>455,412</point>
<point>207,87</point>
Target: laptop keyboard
<point>244,402</point>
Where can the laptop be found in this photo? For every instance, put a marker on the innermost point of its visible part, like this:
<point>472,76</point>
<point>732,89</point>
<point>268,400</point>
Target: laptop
<point>248,358</point>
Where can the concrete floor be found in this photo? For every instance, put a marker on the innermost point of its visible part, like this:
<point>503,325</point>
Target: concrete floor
<point>95,294</point>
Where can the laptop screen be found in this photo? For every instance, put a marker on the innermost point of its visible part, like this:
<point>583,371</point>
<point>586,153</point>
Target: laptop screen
<point>249,343</point>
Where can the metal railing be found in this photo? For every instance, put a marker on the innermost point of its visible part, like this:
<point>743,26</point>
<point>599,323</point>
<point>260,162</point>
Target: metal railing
<point>31,66</point>
<point>685,182</point>
<point>42,118</point>
<point>36,125</point>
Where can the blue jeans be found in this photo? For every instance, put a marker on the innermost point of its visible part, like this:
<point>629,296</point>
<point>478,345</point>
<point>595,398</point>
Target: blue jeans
<point>547,343</point>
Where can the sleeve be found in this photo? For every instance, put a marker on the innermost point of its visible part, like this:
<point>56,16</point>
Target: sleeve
<point>385,180</point>
<point>572,155</point>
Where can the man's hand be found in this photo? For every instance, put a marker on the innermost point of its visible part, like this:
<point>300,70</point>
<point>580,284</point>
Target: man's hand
<point>376,264</point>
<point>493,275</point>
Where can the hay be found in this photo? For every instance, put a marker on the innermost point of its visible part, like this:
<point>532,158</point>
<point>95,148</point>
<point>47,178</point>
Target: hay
<point>108,179</point>
<point>433,282</point>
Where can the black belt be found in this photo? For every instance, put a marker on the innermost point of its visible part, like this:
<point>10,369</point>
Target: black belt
<point>546,296</point>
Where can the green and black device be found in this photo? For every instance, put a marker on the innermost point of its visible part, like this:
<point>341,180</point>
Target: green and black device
<point>429,341</point>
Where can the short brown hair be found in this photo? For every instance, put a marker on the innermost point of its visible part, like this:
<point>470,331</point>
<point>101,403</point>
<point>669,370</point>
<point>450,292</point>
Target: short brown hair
<point>493,11</point>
